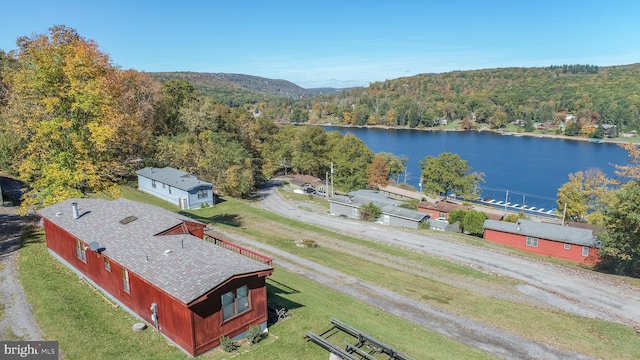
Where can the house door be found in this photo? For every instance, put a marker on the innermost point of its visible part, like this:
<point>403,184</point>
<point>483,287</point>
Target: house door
<point>385,219</point>
<point>183,203</point>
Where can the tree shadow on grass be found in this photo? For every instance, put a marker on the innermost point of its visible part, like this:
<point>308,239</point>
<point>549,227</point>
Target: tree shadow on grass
<point>233,220</point>
<point>276,301</point>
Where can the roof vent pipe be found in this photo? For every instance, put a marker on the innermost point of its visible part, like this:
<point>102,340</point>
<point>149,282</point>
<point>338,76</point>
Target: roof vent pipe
<point>518,225</point>
<point>74,208</point>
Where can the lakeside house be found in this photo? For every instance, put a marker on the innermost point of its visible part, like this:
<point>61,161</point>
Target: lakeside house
<point>155,264</point>
<point>553,240</point>
<point>392,213</point>
<point>176,186</point>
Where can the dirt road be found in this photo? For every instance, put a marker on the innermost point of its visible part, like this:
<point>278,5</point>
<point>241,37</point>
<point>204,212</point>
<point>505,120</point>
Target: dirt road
<point>17,322</point>
<point>583,292</point>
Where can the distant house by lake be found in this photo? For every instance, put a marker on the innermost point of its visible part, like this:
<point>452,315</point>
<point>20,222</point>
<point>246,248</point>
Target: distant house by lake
<point>176,186</point>
<point>392,213</point>
<point>562,242</point>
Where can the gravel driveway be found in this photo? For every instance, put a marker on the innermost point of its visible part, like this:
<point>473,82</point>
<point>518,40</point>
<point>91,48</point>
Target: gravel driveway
<point>583,292</point>
<point>17,322</point>
<point>577,291</point>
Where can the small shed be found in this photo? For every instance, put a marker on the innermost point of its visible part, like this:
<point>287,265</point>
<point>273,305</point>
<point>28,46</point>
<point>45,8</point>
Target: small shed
<point>553,240</point>
<point>176,186</point>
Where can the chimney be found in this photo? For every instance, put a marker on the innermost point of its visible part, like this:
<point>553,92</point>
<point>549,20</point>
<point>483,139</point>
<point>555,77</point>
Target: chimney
<point>74,208</point>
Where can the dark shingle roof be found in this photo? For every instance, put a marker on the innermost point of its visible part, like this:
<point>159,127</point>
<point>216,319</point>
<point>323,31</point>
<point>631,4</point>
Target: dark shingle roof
<point>565,234</point>
<point>184,266</point>
<point>173,177</point>
<point>387,206</point>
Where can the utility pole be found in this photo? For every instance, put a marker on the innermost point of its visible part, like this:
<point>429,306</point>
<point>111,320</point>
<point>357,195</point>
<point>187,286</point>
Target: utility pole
<point>332,179</point>
<point>564,213</point>
<point>506,200</point>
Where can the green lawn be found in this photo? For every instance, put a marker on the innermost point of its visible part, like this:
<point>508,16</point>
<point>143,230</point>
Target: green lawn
<point>88,326</point>
<point>69,311</point>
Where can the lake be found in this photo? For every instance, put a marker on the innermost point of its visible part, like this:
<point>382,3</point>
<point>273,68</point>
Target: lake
<point>529,169</point>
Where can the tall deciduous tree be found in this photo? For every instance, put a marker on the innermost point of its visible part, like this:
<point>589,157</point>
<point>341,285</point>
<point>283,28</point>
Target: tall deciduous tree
<point>351,157</point>
<point>446,173</point>
<point>65,112</point>
<point>585,196</point>
<point>378,173</point>
<point>621,248</point>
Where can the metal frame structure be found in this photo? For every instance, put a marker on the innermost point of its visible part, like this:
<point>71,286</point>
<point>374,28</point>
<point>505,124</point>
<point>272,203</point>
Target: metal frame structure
<point>354,351</point>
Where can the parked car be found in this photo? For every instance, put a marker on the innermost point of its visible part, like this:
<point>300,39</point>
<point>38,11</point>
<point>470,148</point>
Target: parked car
<point>321,193</point>
<point>309,190</point>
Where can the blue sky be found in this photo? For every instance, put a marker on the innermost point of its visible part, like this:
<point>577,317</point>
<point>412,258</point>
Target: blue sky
<point>339,43</point>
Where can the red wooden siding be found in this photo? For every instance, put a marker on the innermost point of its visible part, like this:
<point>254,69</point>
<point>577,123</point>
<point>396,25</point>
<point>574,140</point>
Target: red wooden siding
<point>195,328</point>
<point>173,316</point>
<point>208,322</point>
<point>545,247</point>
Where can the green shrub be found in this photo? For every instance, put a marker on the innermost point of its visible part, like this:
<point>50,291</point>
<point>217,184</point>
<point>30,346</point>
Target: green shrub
<point>254,334</point>
<point>227,344</point>
<point>370,212</point>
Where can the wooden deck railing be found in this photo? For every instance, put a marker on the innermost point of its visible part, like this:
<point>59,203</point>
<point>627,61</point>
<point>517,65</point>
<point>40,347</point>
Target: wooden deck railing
<point>216,239</point>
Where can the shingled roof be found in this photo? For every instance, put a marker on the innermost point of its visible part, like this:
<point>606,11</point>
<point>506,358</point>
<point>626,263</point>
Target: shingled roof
<point>184,266</point>
<point>173,177</point>
<point>387,205</point>
<point>565,234</point>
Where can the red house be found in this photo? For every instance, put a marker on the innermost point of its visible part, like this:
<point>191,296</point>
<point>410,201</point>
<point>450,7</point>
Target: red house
<point>154,263</point>
<point>439,209</point>
<point>563,242</point>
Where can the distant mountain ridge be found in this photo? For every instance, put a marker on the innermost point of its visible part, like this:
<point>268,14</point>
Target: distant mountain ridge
<point>216,83</point>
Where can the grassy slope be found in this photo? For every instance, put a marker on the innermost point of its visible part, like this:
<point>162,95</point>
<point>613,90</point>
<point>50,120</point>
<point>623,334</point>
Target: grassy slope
<point>86,325</point>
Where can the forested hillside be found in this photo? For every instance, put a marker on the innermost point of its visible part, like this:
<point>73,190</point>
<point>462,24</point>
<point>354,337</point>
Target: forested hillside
<point>490,97</point>
<point>237,89</point>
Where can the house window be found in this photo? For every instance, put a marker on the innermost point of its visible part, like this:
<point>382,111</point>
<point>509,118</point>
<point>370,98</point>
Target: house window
<point>585,251</point>
<point>235,302</point>
<point>354,211</point>
<point>81,252</point>
<point>153,184</point>
<point>567,246</point>
<point>169,189</point>
<point>125,281</point>
<point>532,241</point>
<point>203,194</point>
<point>107,264</point>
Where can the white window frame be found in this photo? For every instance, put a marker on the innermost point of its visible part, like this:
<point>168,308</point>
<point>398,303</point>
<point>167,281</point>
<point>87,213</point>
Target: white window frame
<point>203,194</point>
<point>107,263</point>
<point>355,212</point>
<point>532,241</point>
<point>235,302</point>
<point>126,286</point>
<point>81,251</point>
<point>567,246</point>
<point>585,251</point>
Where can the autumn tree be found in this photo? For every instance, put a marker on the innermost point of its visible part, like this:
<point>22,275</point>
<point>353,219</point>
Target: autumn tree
<point>65,110</point>
<point>378,173</point>
<point>584,195</point>
<point>175,95</point>
<point>447,173</point>
<point>351,157</point>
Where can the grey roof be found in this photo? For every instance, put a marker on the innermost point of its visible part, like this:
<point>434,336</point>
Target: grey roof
<point>387,205</point>
<point>565,234</point>
<point>184,266</point>
<point>173,177</point>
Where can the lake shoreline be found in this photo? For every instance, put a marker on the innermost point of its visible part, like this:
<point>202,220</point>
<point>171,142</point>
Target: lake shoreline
<point>501,132</point>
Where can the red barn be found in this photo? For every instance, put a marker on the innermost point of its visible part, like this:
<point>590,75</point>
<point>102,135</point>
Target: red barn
<point>155,264</point>
<point>563,242</point>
